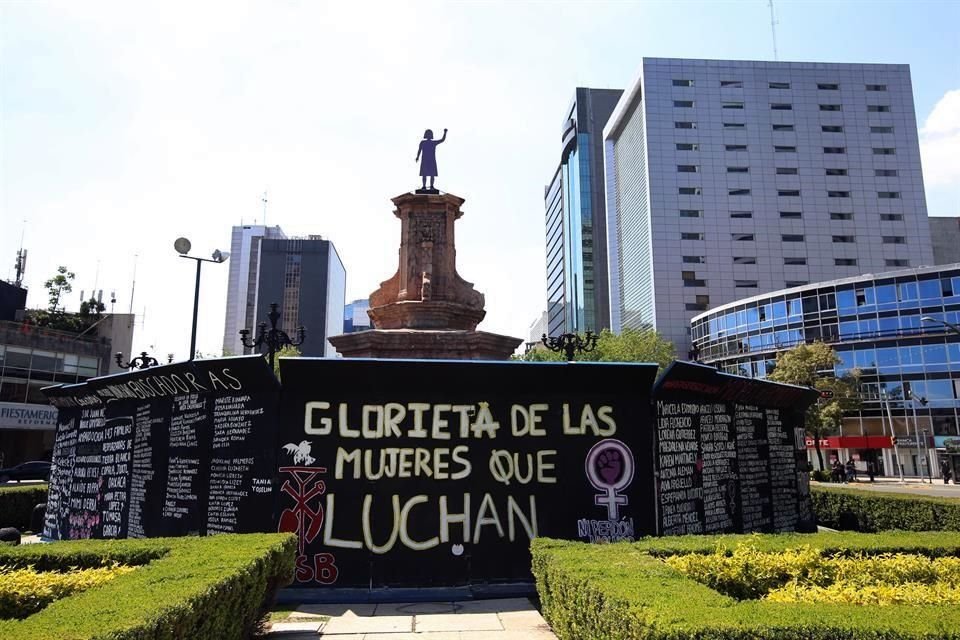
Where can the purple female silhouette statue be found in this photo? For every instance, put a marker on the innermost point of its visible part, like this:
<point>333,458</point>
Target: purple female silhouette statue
<point>428,148</point>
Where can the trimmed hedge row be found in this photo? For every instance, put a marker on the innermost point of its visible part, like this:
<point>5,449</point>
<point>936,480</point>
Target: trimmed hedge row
<point>17,503</point>
<point>624,591</point>
<point>200,588</point>
<point>870,511</point>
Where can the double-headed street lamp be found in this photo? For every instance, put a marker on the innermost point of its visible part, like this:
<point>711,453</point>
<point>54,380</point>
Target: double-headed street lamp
<point>182,245</point>
<point>949,325</point>
<point>274,338</point>
<point>570,343</point>
<point>142,361</point>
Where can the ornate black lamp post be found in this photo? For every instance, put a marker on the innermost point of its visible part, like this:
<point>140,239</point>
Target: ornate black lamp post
<point>275,338</point>
<point>182,245</point>
<point>142,361</point>
<point>571,343</point>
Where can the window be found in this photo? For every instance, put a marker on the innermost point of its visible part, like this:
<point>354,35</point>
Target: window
<point>841,216</point>
<point>834,149</point>
<point>732,105</point>
<point>745,284</point>
<point>843,239</point>
<point>732,84</point>
<point>876,87</point>
<point>693,259</point>
<point>734,125</point>
<point>791,215</point>
<point>690,213</point>
<point>894,240</point>
<point>827,86</point>
<point>701,304</point>
<point>744,260</point>
<point>896,262</point>
<point>742,237</point>
<point>829,107</point>
<point>690,279</point>
<point>786,171</point>
<point>779,85</point>
<point>682,83</point>
<point>689,191</point>
<point>792,237</point>
<point>691,235</point>
<point>687,168</point>
<point>738,192</point>
<point>684,125</point>
<point>795,283</point>
<point>836,172</point>
<point>794,261</point>
<point>687,146</point>
<point>783,127</point>
<point>741,214</point>
<point>838,194</point>
<point>881,129</point>
<point>891,217</point>
<point>878,108</point>
<point>736,147</point>
<point>884,151</point>
<point>683,104</point>
<point>888,195</point>
<point>831,128</point>
<point>784,149</point>
<point>788,193</point>
<point>738,169</point>
<point>845,262</point>
<point>885,173</point>
<point>781,106</point>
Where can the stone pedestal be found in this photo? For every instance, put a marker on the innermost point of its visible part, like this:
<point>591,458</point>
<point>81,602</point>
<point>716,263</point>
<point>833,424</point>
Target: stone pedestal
<point>426,310</point>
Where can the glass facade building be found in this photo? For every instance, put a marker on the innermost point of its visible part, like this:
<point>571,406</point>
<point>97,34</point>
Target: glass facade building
<point>893,327</point>
<point>577,289</point>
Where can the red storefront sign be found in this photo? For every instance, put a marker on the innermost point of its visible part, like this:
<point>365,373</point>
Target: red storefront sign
<point>852,442</point>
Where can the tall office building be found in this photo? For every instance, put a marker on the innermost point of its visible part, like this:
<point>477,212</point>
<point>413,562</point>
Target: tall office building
<point>355,316</point>
<point>577,291</point>
<point>729,179</point>
<point>306,278</point>
<point>945,235</point>
<point>242,284</point>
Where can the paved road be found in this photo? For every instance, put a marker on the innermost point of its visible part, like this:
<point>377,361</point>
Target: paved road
<point>910,485</point>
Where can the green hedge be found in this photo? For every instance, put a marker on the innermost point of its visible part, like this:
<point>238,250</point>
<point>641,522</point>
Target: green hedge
<point>200,588</point>
<point>870,511</point>
<point>625,591</point>
<point>17,503</point>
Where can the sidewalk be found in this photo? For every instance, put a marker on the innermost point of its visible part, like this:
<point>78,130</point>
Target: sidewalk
<point>912,485</point>
<point>503,619</point>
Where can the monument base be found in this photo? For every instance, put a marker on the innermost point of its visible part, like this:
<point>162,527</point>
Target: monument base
<point>425,344</point>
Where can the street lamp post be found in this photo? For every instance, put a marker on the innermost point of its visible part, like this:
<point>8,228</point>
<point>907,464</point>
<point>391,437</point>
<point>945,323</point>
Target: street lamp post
<point>893,435</point>
<point>916,427</point>
<point>570,343</point>
<point>182,245</point>
<point>949,325</point>
<point>926,455</point>
<point>274,338</point>
<point>143,361</point>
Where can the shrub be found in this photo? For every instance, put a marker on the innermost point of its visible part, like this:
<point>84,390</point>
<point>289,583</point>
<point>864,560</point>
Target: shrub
<point>26,591</point>
<point>627,590</point>
<point>190,587</point>
<point>871,511</point>
<point>17,503</point>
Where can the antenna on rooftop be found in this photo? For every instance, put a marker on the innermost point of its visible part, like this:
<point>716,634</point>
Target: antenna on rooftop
<point>21,264</point>
<point>133,284</point>
<point>773,29</point>
<point>263,199</point>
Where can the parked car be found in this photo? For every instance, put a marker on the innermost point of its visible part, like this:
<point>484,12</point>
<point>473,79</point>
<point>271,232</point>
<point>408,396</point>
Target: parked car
<point>36,470</point>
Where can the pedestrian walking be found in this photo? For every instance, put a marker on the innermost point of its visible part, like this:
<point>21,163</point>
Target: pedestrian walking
<point>851,471</point>
<point>946,471</point>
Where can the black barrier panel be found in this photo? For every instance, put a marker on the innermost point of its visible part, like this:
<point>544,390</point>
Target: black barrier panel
<point>56,519</point>
<point>437,473</point>
<point>729,453</point>
<point>181,449</point>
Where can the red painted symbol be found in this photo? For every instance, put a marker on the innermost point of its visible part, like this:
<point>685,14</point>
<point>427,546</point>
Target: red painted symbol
<point>305,519</point>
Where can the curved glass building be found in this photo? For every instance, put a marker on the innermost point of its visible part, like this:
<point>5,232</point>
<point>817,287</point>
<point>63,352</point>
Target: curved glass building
<point>901,329</point>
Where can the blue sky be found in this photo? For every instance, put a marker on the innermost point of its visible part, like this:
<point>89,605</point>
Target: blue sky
<point>123,127</point>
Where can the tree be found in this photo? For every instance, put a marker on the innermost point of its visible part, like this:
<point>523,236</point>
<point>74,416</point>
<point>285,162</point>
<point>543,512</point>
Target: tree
<point>631,345</point>
<point>59,285</point>
<point>812,365</point>
<point>286,351</point>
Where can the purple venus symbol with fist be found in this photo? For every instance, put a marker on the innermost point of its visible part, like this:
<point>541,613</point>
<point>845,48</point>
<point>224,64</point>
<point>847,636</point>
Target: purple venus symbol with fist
<point>609,467</point>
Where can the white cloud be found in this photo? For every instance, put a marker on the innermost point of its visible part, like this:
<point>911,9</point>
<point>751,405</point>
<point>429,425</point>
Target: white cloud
<point>940,142</point>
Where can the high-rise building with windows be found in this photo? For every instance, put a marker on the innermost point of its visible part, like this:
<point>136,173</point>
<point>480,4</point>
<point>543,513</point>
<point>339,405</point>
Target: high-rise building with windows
<point>242,283</point>
<point>727,179</point>
<point>306,278</point>
<point>945,235</point>
<point>577,291</point>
